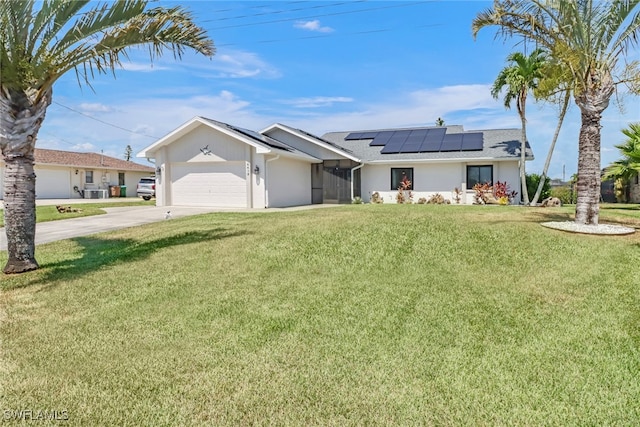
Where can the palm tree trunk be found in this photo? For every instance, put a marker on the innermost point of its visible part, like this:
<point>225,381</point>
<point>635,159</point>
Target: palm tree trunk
<point>20,214</point>
<point>587,203</point>
<point>523,155</point>
<point>20,121</point>
<point>547,162</point>
<point>592,103</point>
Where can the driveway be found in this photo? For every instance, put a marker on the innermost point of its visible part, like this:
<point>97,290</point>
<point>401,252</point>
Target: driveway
<point>114,219</point>
<point>123,217</point>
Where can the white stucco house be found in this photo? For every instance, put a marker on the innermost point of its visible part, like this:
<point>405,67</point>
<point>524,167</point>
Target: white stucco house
<point>70,175</point>
<point>209,163</point>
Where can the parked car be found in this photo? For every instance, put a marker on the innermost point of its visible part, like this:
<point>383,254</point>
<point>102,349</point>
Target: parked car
<point>146,188</point>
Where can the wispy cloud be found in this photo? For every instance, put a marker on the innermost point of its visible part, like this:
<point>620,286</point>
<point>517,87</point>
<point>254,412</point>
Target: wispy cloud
<point>312,26</point>
<point>87,107</point>
<point>85,146</point>
<point>317,101</point>
<point>241,64</point>
<point>144,67</point>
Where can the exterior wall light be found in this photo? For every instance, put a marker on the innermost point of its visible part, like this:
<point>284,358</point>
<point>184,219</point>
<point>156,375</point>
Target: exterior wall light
<point>256,170</point>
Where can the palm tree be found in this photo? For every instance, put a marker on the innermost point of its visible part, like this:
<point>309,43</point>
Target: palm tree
<point>37,47</point>
<point>554,86</point>
<point>516,80</point>
<point>589,38</point>
<point>628,166</point>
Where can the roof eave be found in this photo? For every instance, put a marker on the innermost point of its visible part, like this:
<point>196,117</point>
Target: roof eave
<point>447,160</point>
<point>331,148</point>
<point>189,126</point>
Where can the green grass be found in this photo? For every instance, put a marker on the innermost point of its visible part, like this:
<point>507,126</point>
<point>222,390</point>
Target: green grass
<point>50,213</point>
<point>356,315</point>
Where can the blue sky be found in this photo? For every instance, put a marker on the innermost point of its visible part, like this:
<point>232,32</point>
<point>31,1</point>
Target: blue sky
<point>319,66</point>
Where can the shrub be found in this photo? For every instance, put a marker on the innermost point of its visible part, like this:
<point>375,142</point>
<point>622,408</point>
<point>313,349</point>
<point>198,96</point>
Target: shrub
<point>404,192</point>
<point>565,195</point>
<point>422,201</point>
<point>356,201</point>
<point>437,199</point>
<point>499,193</point>
<point>533,180</point>
<point>376,198</point>
<point>457,195</point>
<point>501,190</point>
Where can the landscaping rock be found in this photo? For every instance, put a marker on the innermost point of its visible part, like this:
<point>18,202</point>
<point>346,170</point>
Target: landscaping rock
<point>551,202</point>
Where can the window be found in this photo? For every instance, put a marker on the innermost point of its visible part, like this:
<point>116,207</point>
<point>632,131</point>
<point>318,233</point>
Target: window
<point>479,174</point>
<point>88,177</point>
<point>120,178</point>
<point>400,175</point>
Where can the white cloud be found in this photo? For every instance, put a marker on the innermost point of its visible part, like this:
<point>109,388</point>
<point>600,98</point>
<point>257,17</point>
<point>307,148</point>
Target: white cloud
<point>144,67</point>
<point>317,101</point>
<point>241,64</point>
<point>95,107</point>
<point>313,26</point>
<point>86,146</point>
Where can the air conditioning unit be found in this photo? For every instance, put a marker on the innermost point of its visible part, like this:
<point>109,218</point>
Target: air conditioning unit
<point>95,194</point>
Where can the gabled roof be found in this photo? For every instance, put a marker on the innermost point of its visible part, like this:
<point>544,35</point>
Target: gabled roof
<point>498,144</point>
<point>45,156</point>
<point>262,143</point>
<point>331,146</point>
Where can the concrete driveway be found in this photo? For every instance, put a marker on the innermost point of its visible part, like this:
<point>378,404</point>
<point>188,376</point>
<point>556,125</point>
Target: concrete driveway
<point>119,217</point>
<point>114,219</point>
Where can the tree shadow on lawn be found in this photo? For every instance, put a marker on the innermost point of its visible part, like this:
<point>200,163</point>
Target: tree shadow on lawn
<point>99,253</point>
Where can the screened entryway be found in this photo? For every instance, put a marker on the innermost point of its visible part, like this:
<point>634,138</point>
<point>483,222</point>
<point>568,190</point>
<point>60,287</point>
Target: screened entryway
<point>331,181</point>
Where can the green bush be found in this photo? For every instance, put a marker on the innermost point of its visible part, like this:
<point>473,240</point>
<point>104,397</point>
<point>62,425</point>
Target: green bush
<point>565,194</point>
<point>533,180</point>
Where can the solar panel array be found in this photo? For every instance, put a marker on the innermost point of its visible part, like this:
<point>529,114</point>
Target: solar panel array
<point>431,140</point>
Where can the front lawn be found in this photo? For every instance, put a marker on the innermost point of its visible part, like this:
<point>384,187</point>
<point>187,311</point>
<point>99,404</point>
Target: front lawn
<point>354,315</point>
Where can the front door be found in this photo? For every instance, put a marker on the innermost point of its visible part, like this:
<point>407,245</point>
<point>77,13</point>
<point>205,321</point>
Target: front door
<point>337,185</point>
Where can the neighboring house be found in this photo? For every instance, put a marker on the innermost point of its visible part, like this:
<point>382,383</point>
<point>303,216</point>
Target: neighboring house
<point>208,163</point>
<point>68,174</point>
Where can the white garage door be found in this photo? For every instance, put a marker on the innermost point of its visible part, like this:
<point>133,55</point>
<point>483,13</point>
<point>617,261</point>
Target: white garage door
<point>209,184</point>
<point>53,184</point>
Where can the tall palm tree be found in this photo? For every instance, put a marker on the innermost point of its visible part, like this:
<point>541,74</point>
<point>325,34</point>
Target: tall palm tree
<point>591,39</point>
<point>37,47</point>
<point>628,166</point>
<point>555,87</point>
<point>516,80</point>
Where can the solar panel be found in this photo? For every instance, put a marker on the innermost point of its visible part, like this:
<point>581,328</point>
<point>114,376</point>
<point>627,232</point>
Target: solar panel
<point>429,140</point>
<point>361,135</point>
<point>414,141</point>
<point>472,142</point>
<point>451,142</point>
<point>395,142</point>
<point>433,140</point>
<point>381,139</point>
<point>369,135</point>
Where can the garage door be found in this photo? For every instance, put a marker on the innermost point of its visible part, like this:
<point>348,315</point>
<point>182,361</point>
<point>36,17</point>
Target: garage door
<point>209,184</point>
<point>53,184</point>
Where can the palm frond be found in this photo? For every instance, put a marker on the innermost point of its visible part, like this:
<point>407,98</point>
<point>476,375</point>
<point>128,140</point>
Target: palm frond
<point>159,29</point>
<point>37,48</point>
